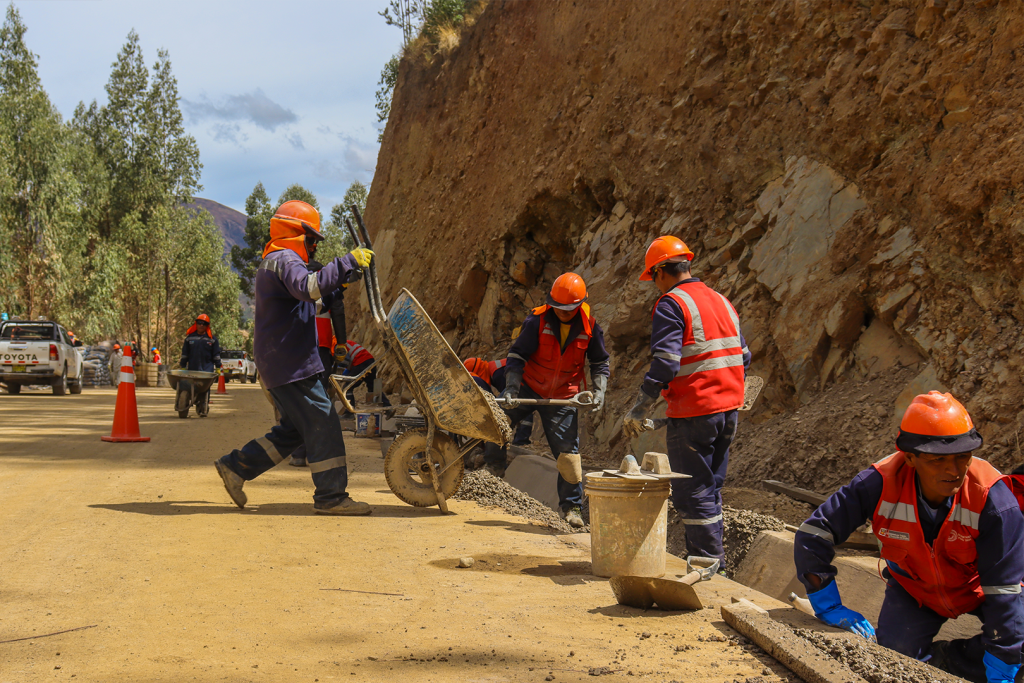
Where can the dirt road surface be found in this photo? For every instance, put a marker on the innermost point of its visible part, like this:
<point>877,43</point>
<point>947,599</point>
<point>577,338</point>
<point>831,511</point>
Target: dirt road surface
<point>141,542</point>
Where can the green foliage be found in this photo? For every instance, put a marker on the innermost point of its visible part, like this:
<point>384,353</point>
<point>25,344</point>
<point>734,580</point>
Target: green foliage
<point>246,260</point>
<point>296,191</point>
<point>93,231</point>
<point>406,15</point>
<point>337,241</point>
<point>440,14</point>
<point>388,79</point>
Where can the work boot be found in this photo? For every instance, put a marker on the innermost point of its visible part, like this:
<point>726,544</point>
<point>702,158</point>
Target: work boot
<point>496,470</point>
<point>574,516</point>
<point>232,483</point>
<point>298,462</point>
<point>346,507</point>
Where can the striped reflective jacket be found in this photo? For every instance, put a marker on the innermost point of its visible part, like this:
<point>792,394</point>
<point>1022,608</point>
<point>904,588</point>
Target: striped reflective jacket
<point>942,576</point>
<point>356,354</point>
<point>711,373</point>
<point>551,371</point>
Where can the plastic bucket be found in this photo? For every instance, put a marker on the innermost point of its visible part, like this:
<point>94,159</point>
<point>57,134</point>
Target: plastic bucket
<point>367,425</point>
<point>628,525</point>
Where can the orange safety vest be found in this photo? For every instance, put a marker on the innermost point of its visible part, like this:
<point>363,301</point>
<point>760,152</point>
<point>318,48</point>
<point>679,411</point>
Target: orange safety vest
<point>485,370</point>
<point>944,576</point>
<point>711,374</point>
<point>357,353</point>
<point>551,372</point>
<point>324,329</point>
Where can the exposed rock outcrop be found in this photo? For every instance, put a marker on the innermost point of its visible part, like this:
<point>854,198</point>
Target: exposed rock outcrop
<point>848,174</point>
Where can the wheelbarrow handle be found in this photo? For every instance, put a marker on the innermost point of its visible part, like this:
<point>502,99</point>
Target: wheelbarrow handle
<point>580,400</point>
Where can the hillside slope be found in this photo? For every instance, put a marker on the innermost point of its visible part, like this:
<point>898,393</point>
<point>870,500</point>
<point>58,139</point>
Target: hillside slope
<point>230,222</point>
<point>847,173</point>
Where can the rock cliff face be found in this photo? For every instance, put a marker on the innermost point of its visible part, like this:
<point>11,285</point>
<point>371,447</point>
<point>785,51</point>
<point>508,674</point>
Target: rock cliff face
<point>849,174</point>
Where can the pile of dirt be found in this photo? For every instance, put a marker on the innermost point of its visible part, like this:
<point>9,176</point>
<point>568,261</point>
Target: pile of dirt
<point>790,511</point>
<point>485,489</point>
<point>873,663</point>
<point>824,444</point>
<point>741,528</point>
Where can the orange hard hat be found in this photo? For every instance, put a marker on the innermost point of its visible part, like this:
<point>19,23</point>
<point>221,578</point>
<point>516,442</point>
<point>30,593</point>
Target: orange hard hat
<point>302,213</point>
<point>568,292</point>
<point>117,346</point>
<point>937,424</point>
<point>202,317</point>
<point>665,249</point>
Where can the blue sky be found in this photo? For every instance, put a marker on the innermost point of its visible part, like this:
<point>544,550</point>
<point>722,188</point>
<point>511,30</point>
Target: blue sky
<point>278,92</point>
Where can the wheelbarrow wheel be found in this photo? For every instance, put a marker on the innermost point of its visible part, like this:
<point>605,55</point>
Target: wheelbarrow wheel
<point>405,467</point>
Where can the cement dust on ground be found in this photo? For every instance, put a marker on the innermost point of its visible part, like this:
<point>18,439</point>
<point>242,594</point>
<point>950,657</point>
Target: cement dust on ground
<point>141,541</point>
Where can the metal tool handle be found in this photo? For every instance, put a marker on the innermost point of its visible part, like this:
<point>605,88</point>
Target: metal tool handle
<point>705,566</point>
<point>580,400</point>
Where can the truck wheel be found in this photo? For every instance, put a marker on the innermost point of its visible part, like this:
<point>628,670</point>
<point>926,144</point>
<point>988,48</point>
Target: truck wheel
<point>183,413</point>
<point>252,379</point>
<point>60,387</point>
<point>75,387</point>
<point>13,388</point>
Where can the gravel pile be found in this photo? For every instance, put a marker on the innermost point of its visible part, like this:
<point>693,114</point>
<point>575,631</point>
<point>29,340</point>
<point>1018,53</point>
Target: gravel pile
<point>874,663</point>
<point>484,488</point>
<point>741,528</point>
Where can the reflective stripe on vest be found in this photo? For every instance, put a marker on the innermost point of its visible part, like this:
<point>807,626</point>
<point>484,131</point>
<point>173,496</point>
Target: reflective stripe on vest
<point>356,353</point>
<point>944,576</point>
<point>554,373</point>
<point>710,375</point>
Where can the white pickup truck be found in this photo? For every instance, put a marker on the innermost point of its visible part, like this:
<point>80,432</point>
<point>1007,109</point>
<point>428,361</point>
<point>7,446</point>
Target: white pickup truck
<point>39,352</point>
<point>238,365</point>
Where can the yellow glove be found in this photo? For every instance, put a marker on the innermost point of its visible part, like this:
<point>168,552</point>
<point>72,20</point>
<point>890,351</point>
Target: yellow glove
<point>363,256</point>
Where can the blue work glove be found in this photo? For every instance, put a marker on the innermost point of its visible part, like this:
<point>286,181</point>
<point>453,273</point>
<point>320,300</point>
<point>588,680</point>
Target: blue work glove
<point>828,607</point>
<point>998,671</point>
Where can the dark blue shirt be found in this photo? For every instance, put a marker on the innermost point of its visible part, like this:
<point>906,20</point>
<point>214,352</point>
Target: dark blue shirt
<point>285,341</point>
<point>200,352</point>
<point>1000,546</point>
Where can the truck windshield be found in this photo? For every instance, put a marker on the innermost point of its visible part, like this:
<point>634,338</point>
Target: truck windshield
<point>231,354</point>
<point>28,332</point>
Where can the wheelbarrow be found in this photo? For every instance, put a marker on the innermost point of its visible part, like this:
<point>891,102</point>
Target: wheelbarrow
<point>424,466</point>
<point>193,389</point>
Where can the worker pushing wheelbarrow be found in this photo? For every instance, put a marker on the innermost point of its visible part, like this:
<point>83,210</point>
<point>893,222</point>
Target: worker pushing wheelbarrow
<point>458,414</point>
<point>192,388</point>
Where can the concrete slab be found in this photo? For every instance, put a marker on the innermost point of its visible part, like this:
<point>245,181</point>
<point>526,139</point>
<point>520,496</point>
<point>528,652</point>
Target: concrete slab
<point>769,569</point>
<point>535,476</point>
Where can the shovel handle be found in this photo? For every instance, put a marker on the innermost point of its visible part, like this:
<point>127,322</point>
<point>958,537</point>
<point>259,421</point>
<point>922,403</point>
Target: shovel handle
<point>580,400</point>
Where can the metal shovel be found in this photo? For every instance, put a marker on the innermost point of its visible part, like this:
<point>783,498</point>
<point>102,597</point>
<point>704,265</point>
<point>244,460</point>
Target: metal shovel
<point>669,594</point>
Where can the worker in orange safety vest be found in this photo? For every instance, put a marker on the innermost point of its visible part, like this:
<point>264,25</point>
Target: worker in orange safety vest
<point>699,365</point>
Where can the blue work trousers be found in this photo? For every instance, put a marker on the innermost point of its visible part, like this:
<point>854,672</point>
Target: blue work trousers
<point>561,427</point>
<point>307,418</point>
<point>699,446</point>
<point>909,628</point>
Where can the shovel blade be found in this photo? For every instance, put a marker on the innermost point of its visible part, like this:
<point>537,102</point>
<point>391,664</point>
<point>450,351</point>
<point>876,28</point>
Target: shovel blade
<point>644,591</point>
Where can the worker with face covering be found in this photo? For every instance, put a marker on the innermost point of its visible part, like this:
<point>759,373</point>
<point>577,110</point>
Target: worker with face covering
<point>285,347</point>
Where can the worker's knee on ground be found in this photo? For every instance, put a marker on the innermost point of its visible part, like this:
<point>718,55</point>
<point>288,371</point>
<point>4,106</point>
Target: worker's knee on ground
<point>570,466</point>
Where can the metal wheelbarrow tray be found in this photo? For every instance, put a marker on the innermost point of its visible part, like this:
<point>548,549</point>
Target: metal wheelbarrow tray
<point>445,392</point>
<point>202,380</point>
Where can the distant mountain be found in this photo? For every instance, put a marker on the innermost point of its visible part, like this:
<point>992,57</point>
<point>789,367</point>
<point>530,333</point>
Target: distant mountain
<point>230,222</point>
<point>232,228</point>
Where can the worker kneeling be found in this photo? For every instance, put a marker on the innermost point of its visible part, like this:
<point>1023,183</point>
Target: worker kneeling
<point>288,361</point>
<point>547,361</point>
<point>951,536</point>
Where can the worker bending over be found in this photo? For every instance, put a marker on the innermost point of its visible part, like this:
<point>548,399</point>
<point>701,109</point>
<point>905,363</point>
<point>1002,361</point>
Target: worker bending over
<point>357,359</point>
<point>490,376</point>
<point>951,536</point>
<point>547,360</point>
<point>699,366</point>
<point>287,359</point>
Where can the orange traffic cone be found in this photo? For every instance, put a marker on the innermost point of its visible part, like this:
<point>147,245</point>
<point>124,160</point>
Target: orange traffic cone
<point>222,386</point>
<point>126,412</point>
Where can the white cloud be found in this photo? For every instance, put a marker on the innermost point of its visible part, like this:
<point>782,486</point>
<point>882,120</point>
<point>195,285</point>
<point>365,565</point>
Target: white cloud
<point>254,107</point>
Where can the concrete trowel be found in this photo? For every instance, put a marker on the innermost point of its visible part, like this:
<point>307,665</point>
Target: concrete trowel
<point>668,594</point>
